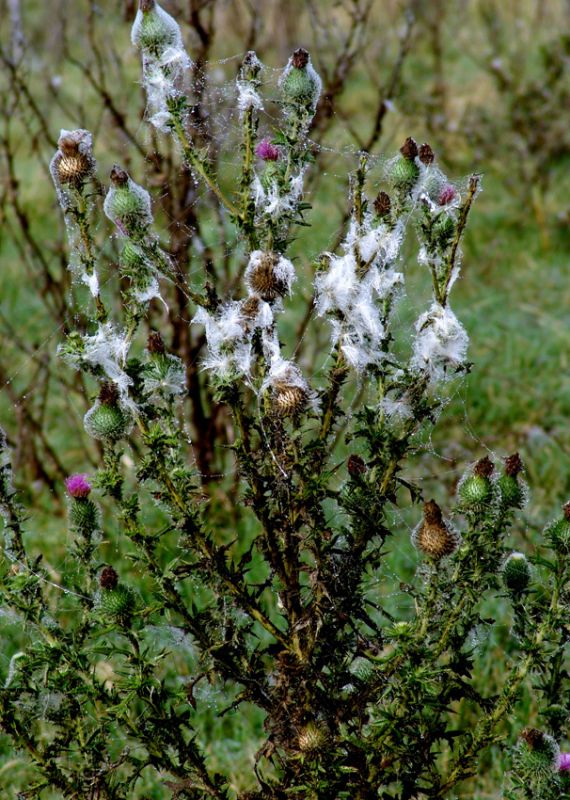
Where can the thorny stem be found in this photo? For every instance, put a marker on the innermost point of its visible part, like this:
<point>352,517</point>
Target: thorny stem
<point>443,293</point>
<point>198,165</point>
<point>209,551</point>
<point>338,374</point>
<point>464,762</point>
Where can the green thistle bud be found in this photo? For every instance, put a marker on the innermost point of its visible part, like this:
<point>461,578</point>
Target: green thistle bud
<point>558,532</point>
<point>403,171</point>
<point>119,602</point>
<point>127,204</point>
<point>444,229</point>
<point>300,84</point>
<point>362,669</point>
<point>536,756</point>
<point>476,490</point>
<point>132,257</point>
<point>107,420</point>
<point>83,514</point>
<point>516,573</point>
<point>512,491</point>
<point>404,174</point>
<point>156,30</point>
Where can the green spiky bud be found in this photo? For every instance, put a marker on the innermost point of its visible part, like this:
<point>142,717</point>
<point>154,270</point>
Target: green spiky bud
<point>516,573</point>
<point>154,30</point>
<point>404,172</point>
<point>300,83</point>
<point>511,490</point>
<point>83,515</point>
<point>362,669</point>
<point>132,257</point>
<point>127,204</point>
<point>536,757</point>
<point>119,602</point>
<point>107,420</point>
<point>558,532</point>
<point>444,229</point>
<point>476,490</point>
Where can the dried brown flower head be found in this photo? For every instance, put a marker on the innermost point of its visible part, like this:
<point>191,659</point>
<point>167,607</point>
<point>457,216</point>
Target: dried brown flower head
<point>433,537</point>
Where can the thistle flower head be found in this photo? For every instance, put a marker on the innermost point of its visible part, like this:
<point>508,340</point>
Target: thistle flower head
<point>441,343</point>
<point>73,162</point>
<point>382,204</point>
<point>356,465</point>
<point>154,29</point>
<point>300,84</point>
<point>312,737</point>
<point>516,573</point>
<point>267,151</point>
<point>164,60</point>
<point>300,58</point>
<point>290,392</point>
<point>426,154</point>
<point>269,275</point>
<point>78,486</point>
<point>127,204</point>
<point>447,194</point>
<point>155,343</point>
<point>435,537</point>
<point>512,488</point>
<point>513,465</point>
<point>537,756</point>
<point>558,532</point>
<point>409,149</point>
<point>108,578</point>
<point>475,489</point>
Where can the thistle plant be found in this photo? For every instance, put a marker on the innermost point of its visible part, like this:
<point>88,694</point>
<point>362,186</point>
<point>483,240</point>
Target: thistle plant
<point>262,585</point>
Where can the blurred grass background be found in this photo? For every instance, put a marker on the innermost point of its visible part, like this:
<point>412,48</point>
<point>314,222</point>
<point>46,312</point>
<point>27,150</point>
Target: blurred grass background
<point>485,82</point>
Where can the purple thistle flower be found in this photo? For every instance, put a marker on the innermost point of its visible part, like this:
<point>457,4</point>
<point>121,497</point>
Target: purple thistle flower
<point>267,151</point>
<point>446,195</point>
<point>564,761</point>
<point>78,486</point>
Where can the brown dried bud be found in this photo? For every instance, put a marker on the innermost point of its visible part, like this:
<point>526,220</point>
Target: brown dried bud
<point>513,465</point>
<point>73,169</point>
<point>312,737</point>
<point>382,204</point>
<point>289,399</point>
<point>109,394</point>
<point>409,149</point>
<point>263,280</point>
<point>433,537</point>
<point>484,467</point>
<point>155,343</point>
<point>74,165</point>
<point>108,578</point>
<point>426,154</point>
<point>356,465</point>
<point>250,307</point>
<point>533,737</point>
<point>300,58</point>
<point>566,511</point>
<point>118,176</point>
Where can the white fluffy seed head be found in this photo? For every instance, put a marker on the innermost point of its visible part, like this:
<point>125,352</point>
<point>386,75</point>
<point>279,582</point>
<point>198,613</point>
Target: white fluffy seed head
<point>440,345</point>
